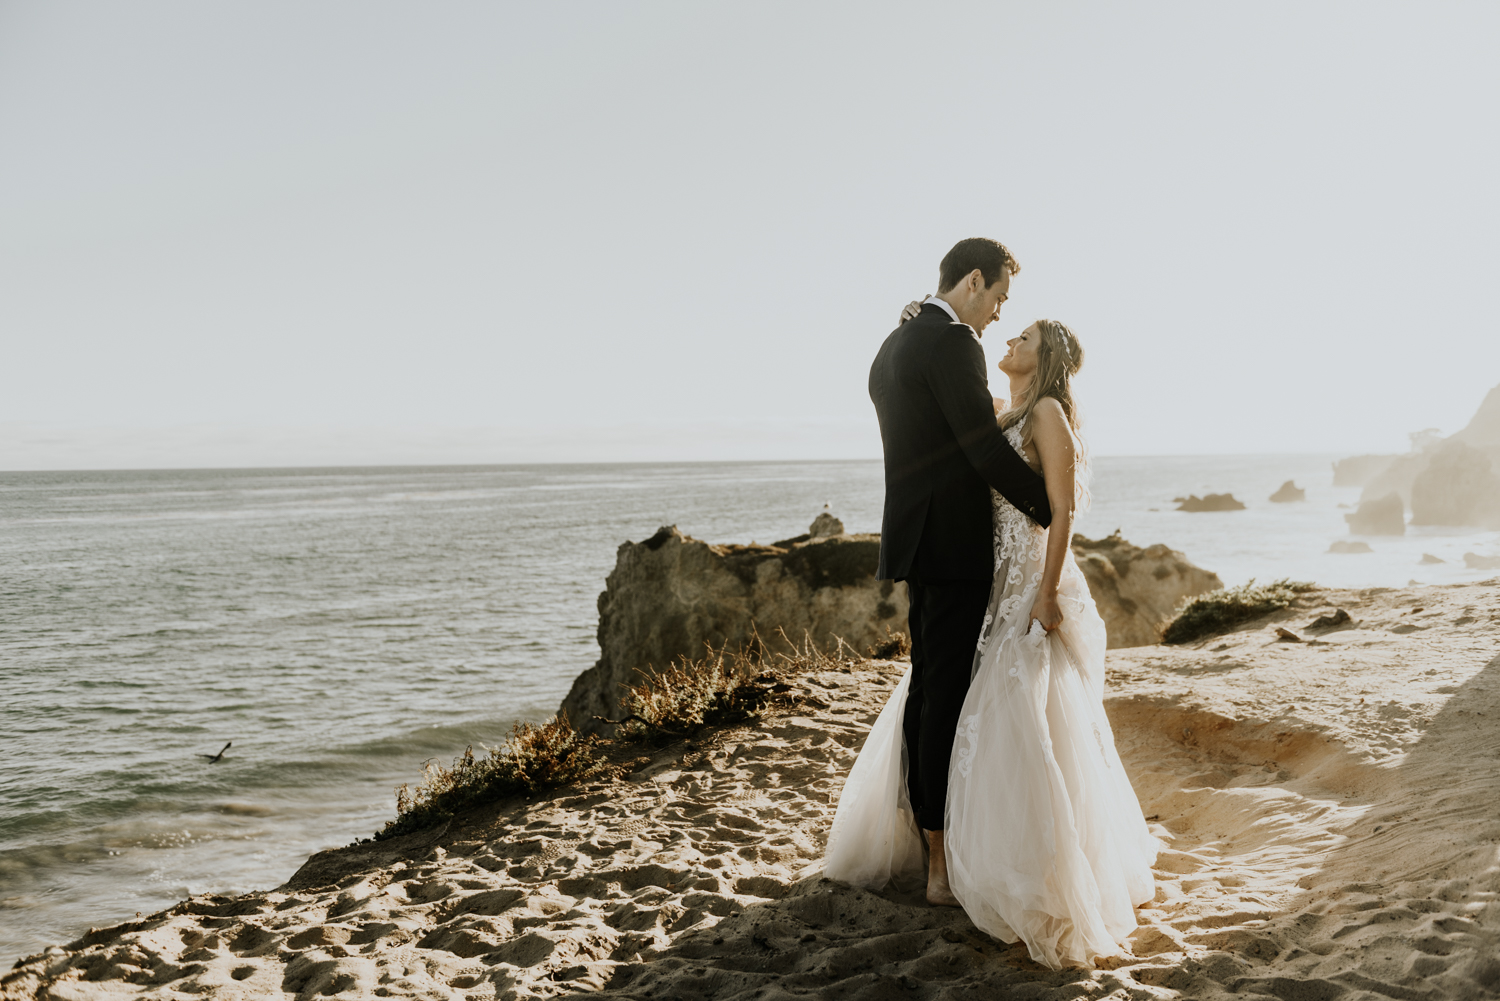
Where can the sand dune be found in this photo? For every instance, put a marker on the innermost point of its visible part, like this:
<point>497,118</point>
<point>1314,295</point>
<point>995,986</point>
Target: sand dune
<point>1332,807</point>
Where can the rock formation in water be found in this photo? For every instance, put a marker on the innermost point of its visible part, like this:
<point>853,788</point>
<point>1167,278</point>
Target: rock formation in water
<point>1476,562</point>
<point>1289,492</point>
<point>1357,470</point>
<point>673,596</point>
<point>1429,558</point>
<point>1345,546</point>
<point>1382,516</point>
<point>1445,481</point>
<point>1138,591</point>
<point>1457,486</point>
<point>1208,502</point>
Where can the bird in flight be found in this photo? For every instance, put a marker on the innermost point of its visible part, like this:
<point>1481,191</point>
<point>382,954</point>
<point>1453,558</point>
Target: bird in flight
<point>215,757</point>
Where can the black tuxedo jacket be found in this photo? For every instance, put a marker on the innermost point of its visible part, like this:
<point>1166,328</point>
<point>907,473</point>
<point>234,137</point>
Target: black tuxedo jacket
<point>943,451</point>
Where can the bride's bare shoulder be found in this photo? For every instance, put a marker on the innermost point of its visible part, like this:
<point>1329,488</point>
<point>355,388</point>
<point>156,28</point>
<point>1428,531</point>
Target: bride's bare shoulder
<point>1050,429</point>
<point>1048,413</point>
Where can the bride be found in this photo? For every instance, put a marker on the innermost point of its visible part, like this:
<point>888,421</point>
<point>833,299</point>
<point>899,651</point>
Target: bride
<point>1044,837</point>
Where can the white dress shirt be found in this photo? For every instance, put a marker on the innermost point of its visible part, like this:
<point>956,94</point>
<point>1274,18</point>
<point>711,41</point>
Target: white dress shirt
<point>945,307</point>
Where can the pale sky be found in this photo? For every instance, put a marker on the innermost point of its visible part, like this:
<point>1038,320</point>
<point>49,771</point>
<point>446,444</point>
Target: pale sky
<point>290,233</point>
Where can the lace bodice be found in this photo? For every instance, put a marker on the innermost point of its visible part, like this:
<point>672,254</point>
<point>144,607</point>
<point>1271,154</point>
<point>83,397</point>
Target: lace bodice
<point>1015,534</point>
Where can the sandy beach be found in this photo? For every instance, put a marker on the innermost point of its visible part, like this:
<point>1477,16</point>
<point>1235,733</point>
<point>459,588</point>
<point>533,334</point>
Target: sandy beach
<point>1329,806</point>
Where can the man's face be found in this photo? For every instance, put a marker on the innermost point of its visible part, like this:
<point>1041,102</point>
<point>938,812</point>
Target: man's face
<point>990,300</point>
<point>981,305</point>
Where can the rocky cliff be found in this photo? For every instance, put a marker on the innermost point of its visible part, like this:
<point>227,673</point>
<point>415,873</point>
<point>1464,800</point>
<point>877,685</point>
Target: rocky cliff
<point>1138,590</point>
<point>1443,481</point>
<point>673,596</point>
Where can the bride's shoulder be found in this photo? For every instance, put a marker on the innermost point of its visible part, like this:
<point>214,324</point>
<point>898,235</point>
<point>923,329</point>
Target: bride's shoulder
<point>1049,413</point>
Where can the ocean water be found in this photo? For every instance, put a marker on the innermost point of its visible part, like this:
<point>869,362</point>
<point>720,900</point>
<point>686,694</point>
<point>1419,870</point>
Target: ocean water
<point>342,626</point>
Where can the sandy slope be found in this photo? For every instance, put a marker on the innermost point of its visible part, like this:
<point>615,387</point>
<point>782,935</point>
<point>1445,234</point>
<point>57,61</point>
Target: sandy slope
<point>1333,809</point>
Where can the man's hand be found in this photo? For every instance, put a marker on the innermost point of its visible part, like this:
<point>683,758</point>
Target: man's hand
<point>911,310</point>
<point>1047,612</point>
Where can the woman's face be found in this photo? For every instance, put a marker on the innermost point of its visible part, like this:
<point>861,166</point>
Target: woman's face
<point>1020,358</point>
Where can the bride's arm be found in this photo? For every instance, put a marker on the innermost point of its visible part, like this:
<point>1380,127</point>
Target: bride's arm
<point>1054,441</point>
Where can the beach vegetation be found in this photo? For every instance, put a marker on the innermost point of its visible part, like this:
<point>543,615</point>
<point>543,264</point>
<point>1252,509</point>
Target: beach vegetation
<point>893,647</point>
<point>1220,611</point>
<point>717,690</point>
<point>536,757</point>
<point>721,689</point>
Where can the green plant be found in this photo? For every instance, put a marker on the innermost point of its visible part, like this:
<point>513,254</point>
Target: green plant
<point>1219,611</point>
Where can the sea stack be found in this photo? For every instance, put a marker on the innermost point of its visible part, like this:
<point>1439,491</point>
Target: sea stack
<point>1288,493</point>
<point>1382,516</point>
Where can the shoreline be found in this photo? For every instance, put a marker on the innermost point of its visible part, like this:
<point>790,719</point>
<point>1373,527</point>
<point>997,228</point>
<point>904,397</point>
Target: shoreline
<point>1327,805</point>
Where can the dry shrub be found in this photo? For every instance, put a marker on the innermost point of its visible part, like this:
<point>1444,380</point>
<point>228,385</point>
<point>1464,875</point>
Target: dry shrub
<point>690,695</point>
<point>893,647</point>
<point>1220,611</point>
<point>721,689</point>
<point>718,690</point>
<point>535,757</point>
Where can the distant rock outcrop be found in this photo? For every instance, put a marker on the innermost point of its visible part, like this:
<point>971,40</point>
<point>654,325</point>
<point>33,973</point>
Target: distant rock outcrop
<point>1208,502</point>
<point>1444,481</point>
<point>1429,558</point>
<point>1289,492</point>
<point>1382,516</point>
<point>1476,562</point>
<point>673,596</point>
<point>1345,546</point>
<point>1357,470</point>
<point>1138,591</point>
<point>1457,486</point>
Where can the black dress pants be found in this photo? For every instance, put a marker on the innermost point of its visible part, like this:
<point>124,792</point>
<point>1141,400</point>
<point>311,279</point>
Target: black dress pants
<point>945,621</point>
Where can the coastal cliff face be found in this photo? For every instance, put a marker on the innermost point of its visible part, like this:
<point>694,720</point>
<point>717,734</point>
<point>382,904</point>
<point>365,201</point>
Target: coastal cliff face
<point>673,596</point>
<point>1444,481</point>
<point>1138,590</point>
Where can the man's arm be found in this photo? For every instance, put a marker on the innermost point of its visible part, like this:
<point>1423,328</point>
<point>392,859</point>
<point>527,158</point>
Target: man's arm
<point>956,375</point>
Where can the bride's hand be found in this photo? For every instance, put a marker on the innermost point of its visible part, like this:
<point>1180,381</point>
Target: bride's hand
<point>911,310</point>
<point>1047,612</point>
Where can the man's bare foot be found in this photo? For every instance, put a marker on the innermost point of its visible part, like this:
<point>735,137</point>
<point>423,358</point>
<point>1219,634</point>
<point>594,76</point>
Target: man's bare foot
<point>938,892</point>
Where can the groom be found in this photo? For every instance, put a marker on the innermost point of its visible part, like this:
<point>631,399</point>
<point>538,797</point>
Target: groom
<point>943,452</point>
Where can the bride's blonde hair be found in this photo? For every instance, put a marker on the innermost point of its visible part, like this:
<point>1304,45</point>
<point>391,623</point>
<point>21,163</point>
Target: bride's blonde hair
<point>1059,356</point>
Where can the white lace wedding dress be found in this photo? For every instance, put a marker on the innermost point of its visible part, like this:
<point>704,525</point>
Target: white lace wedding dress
<point>1044,836</point>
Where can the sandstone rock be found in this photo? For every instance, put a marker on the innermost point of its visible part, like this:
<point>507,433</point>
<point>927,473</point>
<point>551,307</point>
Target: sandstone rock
<point>1345,546</point>
<point>1458,486</point>
<point>1429,558</point>
<point>824,525</point>
<point>1138,591</point>
<point>1383,516</point>
<point>1483,429</point>
<point>1357,470</point>
<point>1444,481</point>
<point>1288,492</point>
<point>1476,562</point>
<point>1339,618</point>
<point>1208,502</point>
<point>673,596</point>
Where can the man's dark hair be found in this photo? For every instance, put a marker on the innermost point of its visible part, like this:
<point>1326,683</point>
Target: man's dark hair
<point>989,256</point>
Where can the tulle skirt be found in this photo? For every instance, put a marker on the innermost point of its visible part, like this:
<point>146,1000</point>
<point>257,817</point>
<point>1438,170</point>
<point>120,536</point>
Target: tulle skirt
<point>1044,836</point>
